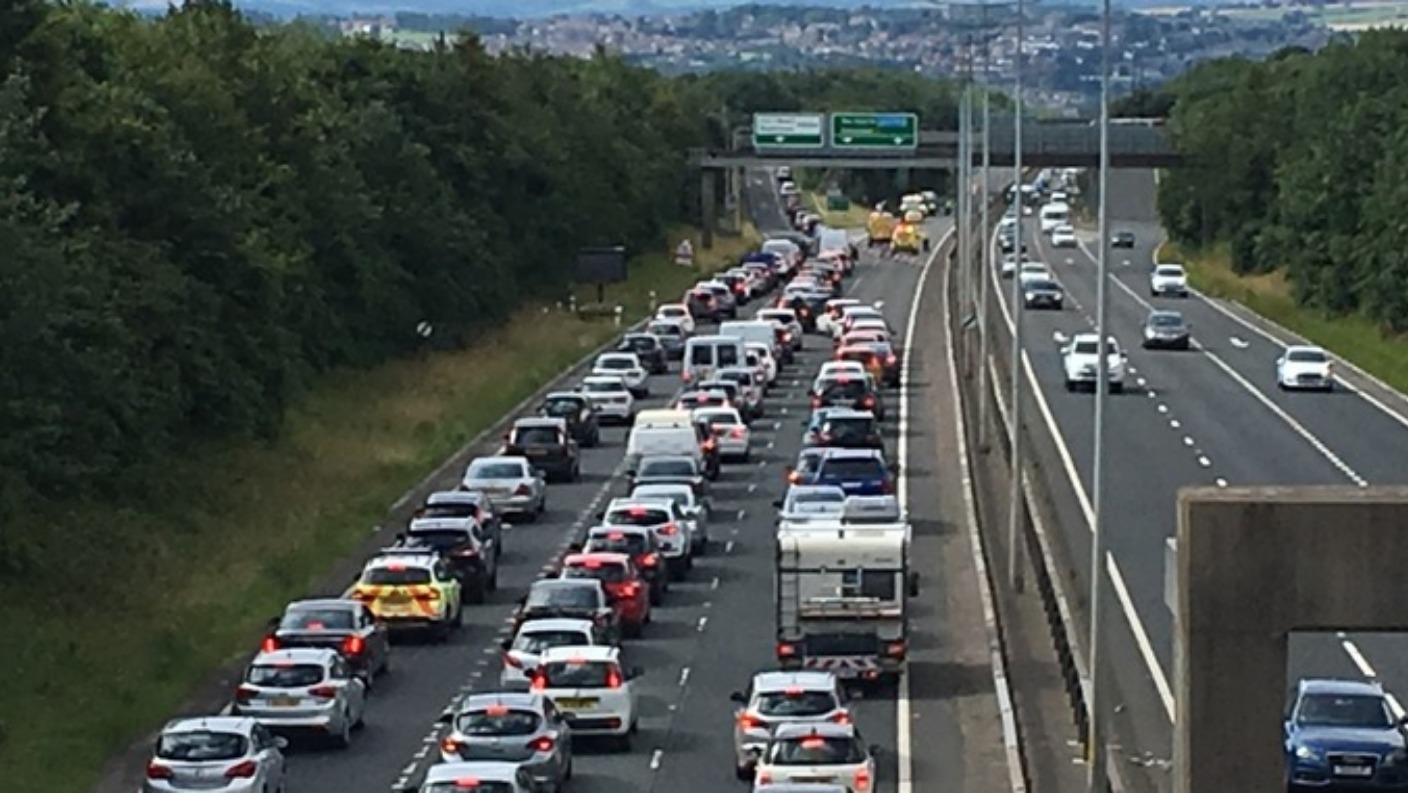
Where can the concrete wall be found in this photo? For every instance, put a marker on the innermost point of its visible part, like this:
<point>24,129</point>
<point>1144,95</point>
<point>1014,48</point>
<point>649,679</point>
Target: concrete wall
<point>1253,565</point>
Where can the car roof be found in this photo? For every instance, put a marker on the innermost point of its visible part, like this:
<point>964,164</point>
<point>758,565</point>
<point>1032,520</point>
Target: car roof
<point>717,410</point>
<point>837,453</point>
<point>648,502</point>
<point>500,458</point>
<point>541,421</point>
<point>617,354</point>
<point>240,724</point>
<point>821,729</point>
<point>457,496</point>
<point>492,770</point>
<point>845,413</point>
<point>556,624</point>
<point>1304,348</point>
<point>521,699</point>
<point>422,559</point>
<point>604,378</point>
<point>1338,686</point>
<point>296,655</point>
<point>594,652</point>
<point>780,681</point>
<point>598,531</point>
<point>671,457</point>
<point>565,583</point>
<point>463,524</point>
<point>660,487</point>
<point>323,604</point>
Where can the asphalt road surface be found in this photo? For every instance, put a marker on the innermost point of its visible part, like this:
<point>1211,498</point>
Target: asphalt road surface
<point>712,633</point>
<point>1209,416</point>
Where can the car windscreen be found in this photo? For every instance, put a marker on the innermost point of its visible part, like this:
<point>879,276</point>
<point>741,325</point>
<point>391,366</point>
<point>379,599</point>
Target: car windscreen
<point>814,750</point>
<point>848,428</point>
<point>605,573</point>
<point>497,721</point>
<point>851,468</point>
<point>1169,272</point>
<point>851,389</point>
<point>1306,356</point>
<point>1344,710</point>
<point>728,355</point>
<point>441,539</point>
<point>666,468</point>
<point>1166,321</point>
<point>577,674</point>
<point>615,364</point>
<point>666,329</point>
<point>537,641</point>
<point>796,703</point>
<point>720,419</point>
<point>602,387</point>
<point>496,471</point>
<point>396,576</point>
<point>561,408</point>
<point>1088,348</point>
<point>201,746</point>
<point>458,510</point>
<point>536,436</point>
<point>284,675</point>
<point>1042,285</point>
<point>632,543</point>
<point>563,597</point>
<point>313,619</point>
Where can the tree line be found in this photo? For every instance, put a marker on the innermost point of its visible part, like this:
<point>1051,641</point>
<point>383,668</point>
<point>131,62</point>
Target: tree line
<point>198,215</point>
<point>1294,163</point>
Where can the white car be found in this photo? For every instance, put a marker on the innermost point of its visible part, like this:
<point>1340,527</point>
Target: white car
<point>852,314</point>
<point>1168,279</point>
<point>832,369</point>
<point>1081,360</point>
<point>730,433</point>
<point>627,366</point>
<point>750,387</point>
<point>832,312</point>
<point>767,364</point>
<point>487,775</point>
<point>695,510</point>
<point>521,653</point>
<point>1305,367</point>
<point>775,698</point>
<point>811,752</point>
<point>677,312</point>
<point>303,689</point>
<point>610,396</point>
<point>1063,236</point>
<point>595,693</point>
<point>1034,271</point>
<point>246,756</point>
<point>788,319</point>
<point>663,516</point>
<point>1009,264</point>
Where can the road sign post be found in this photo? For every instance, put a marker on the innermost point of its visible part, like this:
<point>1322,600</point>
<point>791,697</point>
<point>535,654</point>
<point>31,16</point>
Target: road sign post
<point>875,131</point>
<point>789,130</point>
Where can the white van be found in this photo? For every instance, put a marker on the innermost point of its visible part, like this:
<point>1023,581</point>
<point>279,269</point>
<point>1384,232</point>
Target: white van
<point>663,432</point>
<point>757,331</point>
<point>1053,215</point>
<point>704,355</point>
<point>829,239</point>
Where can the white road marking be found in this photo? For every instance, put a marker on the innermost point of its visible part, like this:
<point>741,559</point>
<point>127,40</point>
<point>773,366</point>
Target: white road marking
<point>1187,441</point>
<point>1368,671</point>
<point>1204,461</point>
<point>655,758</point>
<point>1174,423</point>
<point>1163,408</point>
<point>728,547</point>
<point>1221,482</point>
<point>1238,343</point>
<point>684,677</point>
<point>703,623</point>
<point>714,584</point>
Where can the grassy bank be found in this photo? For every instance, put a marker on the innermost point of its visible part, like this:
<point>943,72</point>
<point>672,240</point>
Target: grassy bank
<point>855,217</point>
<point>134,609</point>
<point>1353,338</point>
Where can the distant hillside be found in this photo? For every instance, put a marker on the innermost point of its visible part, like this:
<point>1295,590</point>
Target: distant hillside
<point>529,9</point>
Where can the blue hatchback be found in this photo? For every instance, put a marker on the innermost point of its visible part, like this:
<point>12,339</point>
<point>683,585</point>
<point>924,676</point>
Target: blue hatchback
<point>859,472</point>
<point>1344,733</point>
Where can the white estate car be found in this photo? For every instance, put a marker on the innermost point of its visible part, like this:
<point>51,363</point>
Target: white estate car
<point>838,368</point>
<point>1305,367</point>
<point>523,651</point>
<point>730,433</point>
<point>593,690</point>
<point>627,366</point>
<point>1168,279</point>
<point>1034,271</point>
<point>832,312</point>
<point>1081,360</point>
<point>812,752</point>
<point>677,312</point>
<point>1063,236</point>
<point>610,396</point>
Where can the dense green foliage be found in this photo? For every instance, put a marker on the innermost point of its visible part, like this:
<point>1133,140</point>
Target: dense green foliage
<point>199,216</point>
<point>1295,162</point>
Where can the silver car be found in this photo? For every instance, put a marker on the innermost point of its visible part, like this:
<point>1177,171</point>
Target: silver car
<point>522,728</point>
<point>476,777</point>
<point>775,698</point>
<point>695,510</point>
<point>512,485</point>
<point>304,689</point>
<point>226,754</point>
<point>533,637</point>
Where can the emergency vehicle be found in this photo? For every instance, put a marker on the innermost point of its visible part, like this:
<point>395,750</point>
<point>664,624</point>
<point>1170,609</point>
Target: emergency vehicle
<point>411,590</point>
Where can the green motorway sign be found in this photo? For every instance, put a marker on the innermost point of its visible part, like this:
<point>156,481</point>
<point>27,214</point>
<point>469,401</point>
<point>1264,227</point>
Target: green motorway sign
<point>789,131</point>
<point>874,131</point>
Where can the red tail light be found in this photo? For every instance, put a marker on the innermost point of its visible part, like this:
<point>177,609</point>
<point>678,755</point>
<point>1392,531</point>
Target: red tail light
<point>539,683</point>
<point>895,649</point>
<point>543,743</point>
<point>613,679</point>
<point>787,337</point>
<point>840,717</point>
<point>245,770</point>
<point>353,645</point>
<point>158,771</point>
<point>630,589</point>
<point>450,746</point>
<point>816,402</point>
<point>511,660</point>
<point>738,432</point>
<point>868,401</point>
<point>709,445</point>
<point>432,595</point>
<point>887,487</point>
<point>891,360</point>
<point>323,692</point>
<point>862,781</point>
<point>244,694</point>
<point>686,376</point>
<point>651,560</point>
<point>669,529</point>
<point>270,644</point>
<point>763,778</point>
<point>785,650</point>
<point>523,490</point>
<point>747,722</point>
<point>794,477</point>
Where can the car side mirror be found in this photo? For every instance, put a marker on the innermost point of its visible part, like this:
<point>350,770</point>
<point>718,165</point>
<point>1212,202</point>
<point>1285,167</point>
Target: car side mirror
<point>601,515</point>
<point>506,644</point>
<point>445,718</point>
<point>575,547</point>
<point>540,473</point>
<point>280,742</point>
<point>777,503</point>
<point>400,536</point>
<point>895,468</point>
<point>523,601</point>
<point>738,697</point>
<point>1124,356</point>
<point>634,672</point>
<point>876,750</point>
<point>913,585</point>
<point>273,622</point>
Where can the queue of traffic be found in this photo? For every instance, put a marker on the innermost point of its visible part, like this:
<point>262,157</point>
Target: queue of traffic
<point>564,676</point>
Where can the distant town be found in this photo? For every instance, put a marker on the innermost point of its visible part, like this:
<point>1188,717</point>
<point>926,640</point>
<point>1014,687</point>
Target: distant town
<point>1061,42</point>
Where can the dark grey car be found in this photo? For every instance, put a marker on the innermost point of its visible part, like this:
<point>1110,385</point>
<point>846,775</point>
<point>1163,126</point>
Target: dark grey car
<point>1043,293</point>
<point>1167,330</point>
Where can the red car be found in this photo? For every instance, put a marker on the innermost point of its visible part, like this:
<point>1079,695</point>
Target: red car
<point>627,588</point>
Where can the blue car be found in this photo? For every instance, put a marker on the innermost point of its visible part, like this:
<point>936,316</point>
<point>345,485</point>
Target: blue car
<point>1343,733</point>
<point>859,472</point>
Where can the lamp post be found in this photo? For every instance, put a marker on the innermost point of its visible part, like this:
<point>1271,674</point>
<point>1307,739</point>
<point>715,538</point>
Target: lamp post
<point>1015,570</point>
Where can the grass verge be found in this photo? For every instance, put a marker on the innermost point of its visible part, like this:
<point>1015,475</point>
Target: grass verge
<point>1354,338</point>
<point>854,217</point>
<point>135,609</point>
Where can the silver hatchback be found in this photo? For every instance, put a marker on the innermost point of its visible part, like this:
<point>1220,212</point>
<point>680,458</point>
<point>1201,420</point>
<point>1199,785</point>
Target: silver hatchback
<point>511,484</point>
<point>775,698</point>
<point>226,754</point>
<point>522,728</point>
<point>307,690</point>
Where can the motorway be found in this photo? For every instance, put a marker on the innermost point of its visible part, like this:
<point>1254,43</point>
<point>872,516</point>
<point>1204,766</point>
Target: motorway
<point>1209,416</point>
<point>715,629</point>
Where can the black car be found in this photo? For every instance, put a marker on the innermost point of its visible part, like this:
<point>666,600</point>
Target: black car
<point>1167,330</point>
<point>1122,239</point>
<point>466,504</point>
<point>672,338</point>
<point>347,626</point>
<point>858,430</point>
<point>670,469</point>
<point>467,550</point>
<point>702,305</point>
<point>848,392</point>
<point>648,349</point>
<point>572,598</point>
<point>713,458</point>
<point>804,309</point>
<point>1042,293</point>
<point>579,413</point>
<point>548,444</point>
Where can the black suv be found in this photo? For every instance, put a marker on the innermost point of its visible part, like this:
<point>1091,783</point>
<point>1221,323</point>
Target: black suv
<point>466,504</point>
<point>702,305</point>
<point>468,552</point>
<point>548,445</point>
<point>648,349</point>
<point>570,598</point>
<point>579,413</point>
<point>848,392</point>
<point>857,430</point>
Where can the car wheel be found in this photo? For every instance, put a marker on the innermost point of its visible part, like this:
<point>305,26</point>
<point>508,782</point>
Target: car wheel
<point>458,621</point>
<point>631,630</point>
<point>385,663</point>
<point>1070,386</point>
<point>657,595</point>
<point>576,473</point>
<point>343,738</point>
<point>1116,388</point>
<point>743,773</point>
<point>623,743</point>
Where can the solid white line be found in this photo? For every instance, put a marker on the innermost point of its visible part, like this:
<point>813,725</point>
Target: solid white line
<point>1001,685</point>
<point>1131,614</point>
<point>655,759</point>
<point>1368,671</point>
